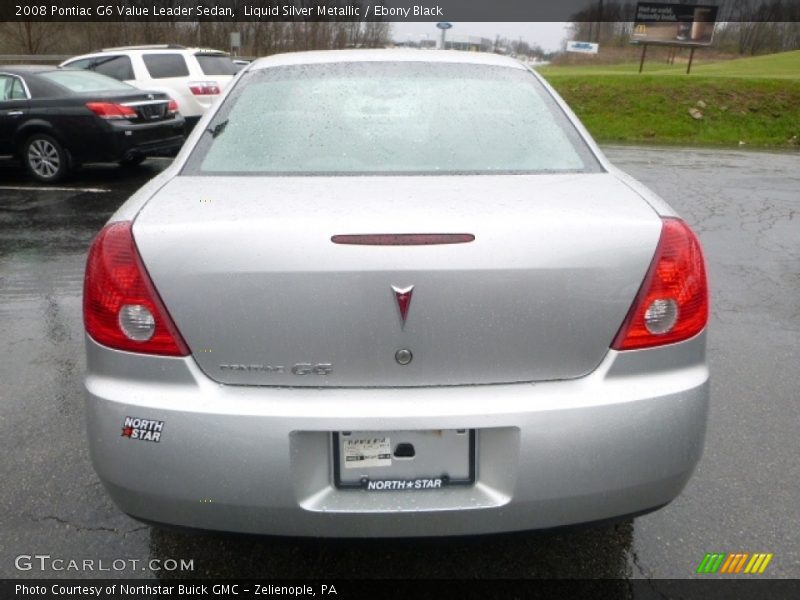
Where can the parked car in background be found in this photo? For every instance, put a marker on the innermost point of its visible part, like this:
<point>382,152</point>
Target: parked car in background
<point>56,119</point>
<point>414,299</point>
<point>193,77</point>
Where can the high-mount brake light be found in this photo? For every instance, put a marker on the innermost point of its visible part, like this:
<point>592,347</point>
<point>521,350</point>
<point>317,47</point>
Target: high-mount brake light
<point>672,303</point>
<point>121,307</point>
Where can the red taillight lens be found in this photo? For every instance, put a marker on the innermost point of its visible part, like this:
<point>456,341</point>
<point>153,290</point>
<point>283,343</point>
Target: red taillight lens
<point>204,88</point>
<point>672,304</point>
<point>121,308</point>
<point>109,110</point>
<point>172,107</point>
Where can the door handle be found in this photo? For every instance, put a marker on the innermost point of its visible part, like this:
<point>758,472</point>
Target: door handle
<point>14,113</point>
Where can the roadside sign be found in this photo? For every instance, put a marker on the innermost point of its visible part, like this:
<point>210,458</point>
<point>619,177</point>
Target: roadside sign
<point>584,47</point>
<point>674,24</point>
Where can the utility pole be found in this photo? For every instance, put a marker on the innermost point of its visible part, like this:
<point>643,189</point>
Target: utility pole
<point>599,20</point>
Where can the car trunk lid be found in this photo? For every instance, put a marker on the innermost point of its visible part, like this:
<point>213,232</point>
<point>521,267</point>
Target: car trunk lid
<point>248,271</point>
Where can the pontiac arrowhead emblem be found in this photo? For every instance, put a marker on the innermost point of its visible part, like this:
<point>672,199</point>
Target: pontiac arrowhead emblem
<point>403,296</point>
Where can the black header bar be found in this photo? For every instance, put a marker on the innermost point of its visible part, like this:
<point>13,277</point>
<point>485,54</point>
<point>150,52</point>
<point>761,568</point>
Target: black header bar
<point>372,10</point>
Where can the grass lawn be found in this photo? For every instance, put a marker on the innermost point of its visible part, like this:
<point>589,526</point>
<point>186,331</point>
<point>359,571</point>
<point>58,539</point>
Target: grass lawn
<point>752,100</point>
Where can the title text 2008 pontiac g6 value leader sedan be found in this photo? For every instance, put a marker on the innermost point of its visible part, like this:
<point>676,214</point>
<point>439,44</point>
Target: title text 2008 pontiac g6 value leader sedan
<point>394,293</point>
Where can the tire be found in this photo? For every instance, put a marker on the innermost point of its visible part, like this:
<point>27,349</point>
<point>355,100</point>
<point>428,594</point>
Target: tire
<point>45,158</point>
<point>134,161</point>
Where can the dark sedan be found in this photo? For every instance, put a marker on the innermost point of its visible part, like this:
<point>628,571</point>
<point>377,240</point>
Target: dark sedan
<point>57,119</point>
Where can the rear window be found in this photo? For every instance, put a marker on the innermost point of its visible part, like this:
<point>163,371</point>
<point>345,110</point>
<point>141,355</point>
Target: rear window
<point>390,118</point>
<point>216,64</point>
<point>84,81</point>
<point>162,66</point>
<point>83,63</point>
<point>118,67</point>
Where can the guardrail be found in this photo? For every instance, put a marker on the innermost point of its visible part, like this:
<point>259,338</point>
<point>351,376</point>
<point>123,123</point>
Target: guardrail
<point>22,59</point>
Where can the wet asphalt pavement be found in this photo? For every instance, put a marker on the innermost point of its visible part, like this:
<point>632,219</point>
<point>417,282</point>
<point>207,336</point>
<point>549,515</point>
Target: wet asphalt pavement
<point>744,497</point>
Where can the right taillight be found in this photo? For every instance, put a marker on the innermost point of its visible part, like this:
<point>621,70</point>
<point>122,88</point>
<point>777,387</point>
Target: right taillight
<point>121,307</point>
<point>204,88</point>
<point>672,303</point>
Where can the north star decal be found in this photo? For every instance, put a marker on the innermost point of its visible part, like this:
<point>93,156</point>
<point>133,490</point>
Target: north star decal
<point>404,484</point>
<point>145,430</point>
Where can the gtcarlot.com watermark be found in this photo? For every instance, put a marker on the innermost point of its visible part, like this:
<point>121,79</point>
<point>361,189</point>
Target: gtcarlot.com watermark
<point>46,562</point>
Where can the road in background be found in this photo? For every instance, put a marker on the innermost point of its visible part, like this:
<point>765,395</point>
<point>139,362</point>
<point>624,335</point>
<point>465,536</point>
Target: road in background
<point>743,498</point>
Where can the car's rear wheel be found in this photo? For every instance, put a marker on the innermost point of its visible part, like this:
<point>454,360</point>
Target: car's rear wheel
<point>45,158</point>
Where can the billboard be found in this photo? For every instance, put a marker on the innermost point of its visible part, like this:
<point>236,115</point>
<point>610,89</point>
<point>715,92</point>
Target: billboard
<point>585,47</point>
<point>674,24</point>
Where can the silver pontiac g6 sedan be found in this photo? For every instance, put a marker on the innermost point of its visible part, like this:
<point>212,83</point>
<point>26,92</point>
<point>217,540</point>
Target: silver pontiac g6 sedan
<point>393,293</point>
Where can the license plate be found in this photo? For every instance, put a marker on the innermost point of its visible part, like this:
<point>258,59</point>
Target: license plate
<point>403,460</point>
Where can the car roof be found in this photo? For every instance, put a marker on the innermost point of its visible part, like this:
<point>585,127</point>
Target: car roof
<point>158,50</point>
<point>140,50</point>
<point>390,55</point>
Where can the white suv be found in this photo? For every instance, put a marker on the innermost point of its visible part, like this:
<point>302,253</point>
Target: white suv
<point>193,77</point>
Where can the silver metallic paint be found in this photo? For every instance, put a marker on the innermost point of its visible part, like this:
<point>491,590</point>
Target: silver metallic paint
<point>539,294</point>
<point>622,438</point>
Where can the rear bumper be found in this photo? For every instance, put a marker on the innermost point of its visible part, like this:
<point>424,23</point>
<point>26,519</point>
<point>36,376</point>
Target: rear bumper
<point>149,139</point>
<point>159,147</point>
<point>621,440</point>
<point>120,140</point>
<point>191,122</point>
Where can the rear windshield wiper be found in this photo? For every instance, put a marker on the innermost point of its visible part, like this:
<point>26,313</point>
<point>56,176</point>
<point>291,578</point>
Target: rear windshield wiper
<point>101,61</point>
<point>218,128</point>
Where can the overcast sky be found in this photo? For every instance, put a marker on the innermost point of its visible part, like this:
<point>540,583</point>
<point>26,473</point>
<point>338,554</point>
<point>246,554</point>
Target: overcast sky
<point>547,35</point>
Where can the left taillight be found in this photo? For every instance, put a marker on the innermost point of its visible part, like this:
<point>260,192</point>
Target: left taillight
<point>111,110</point>
<point>121,307</point>
<point>172,107</point>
